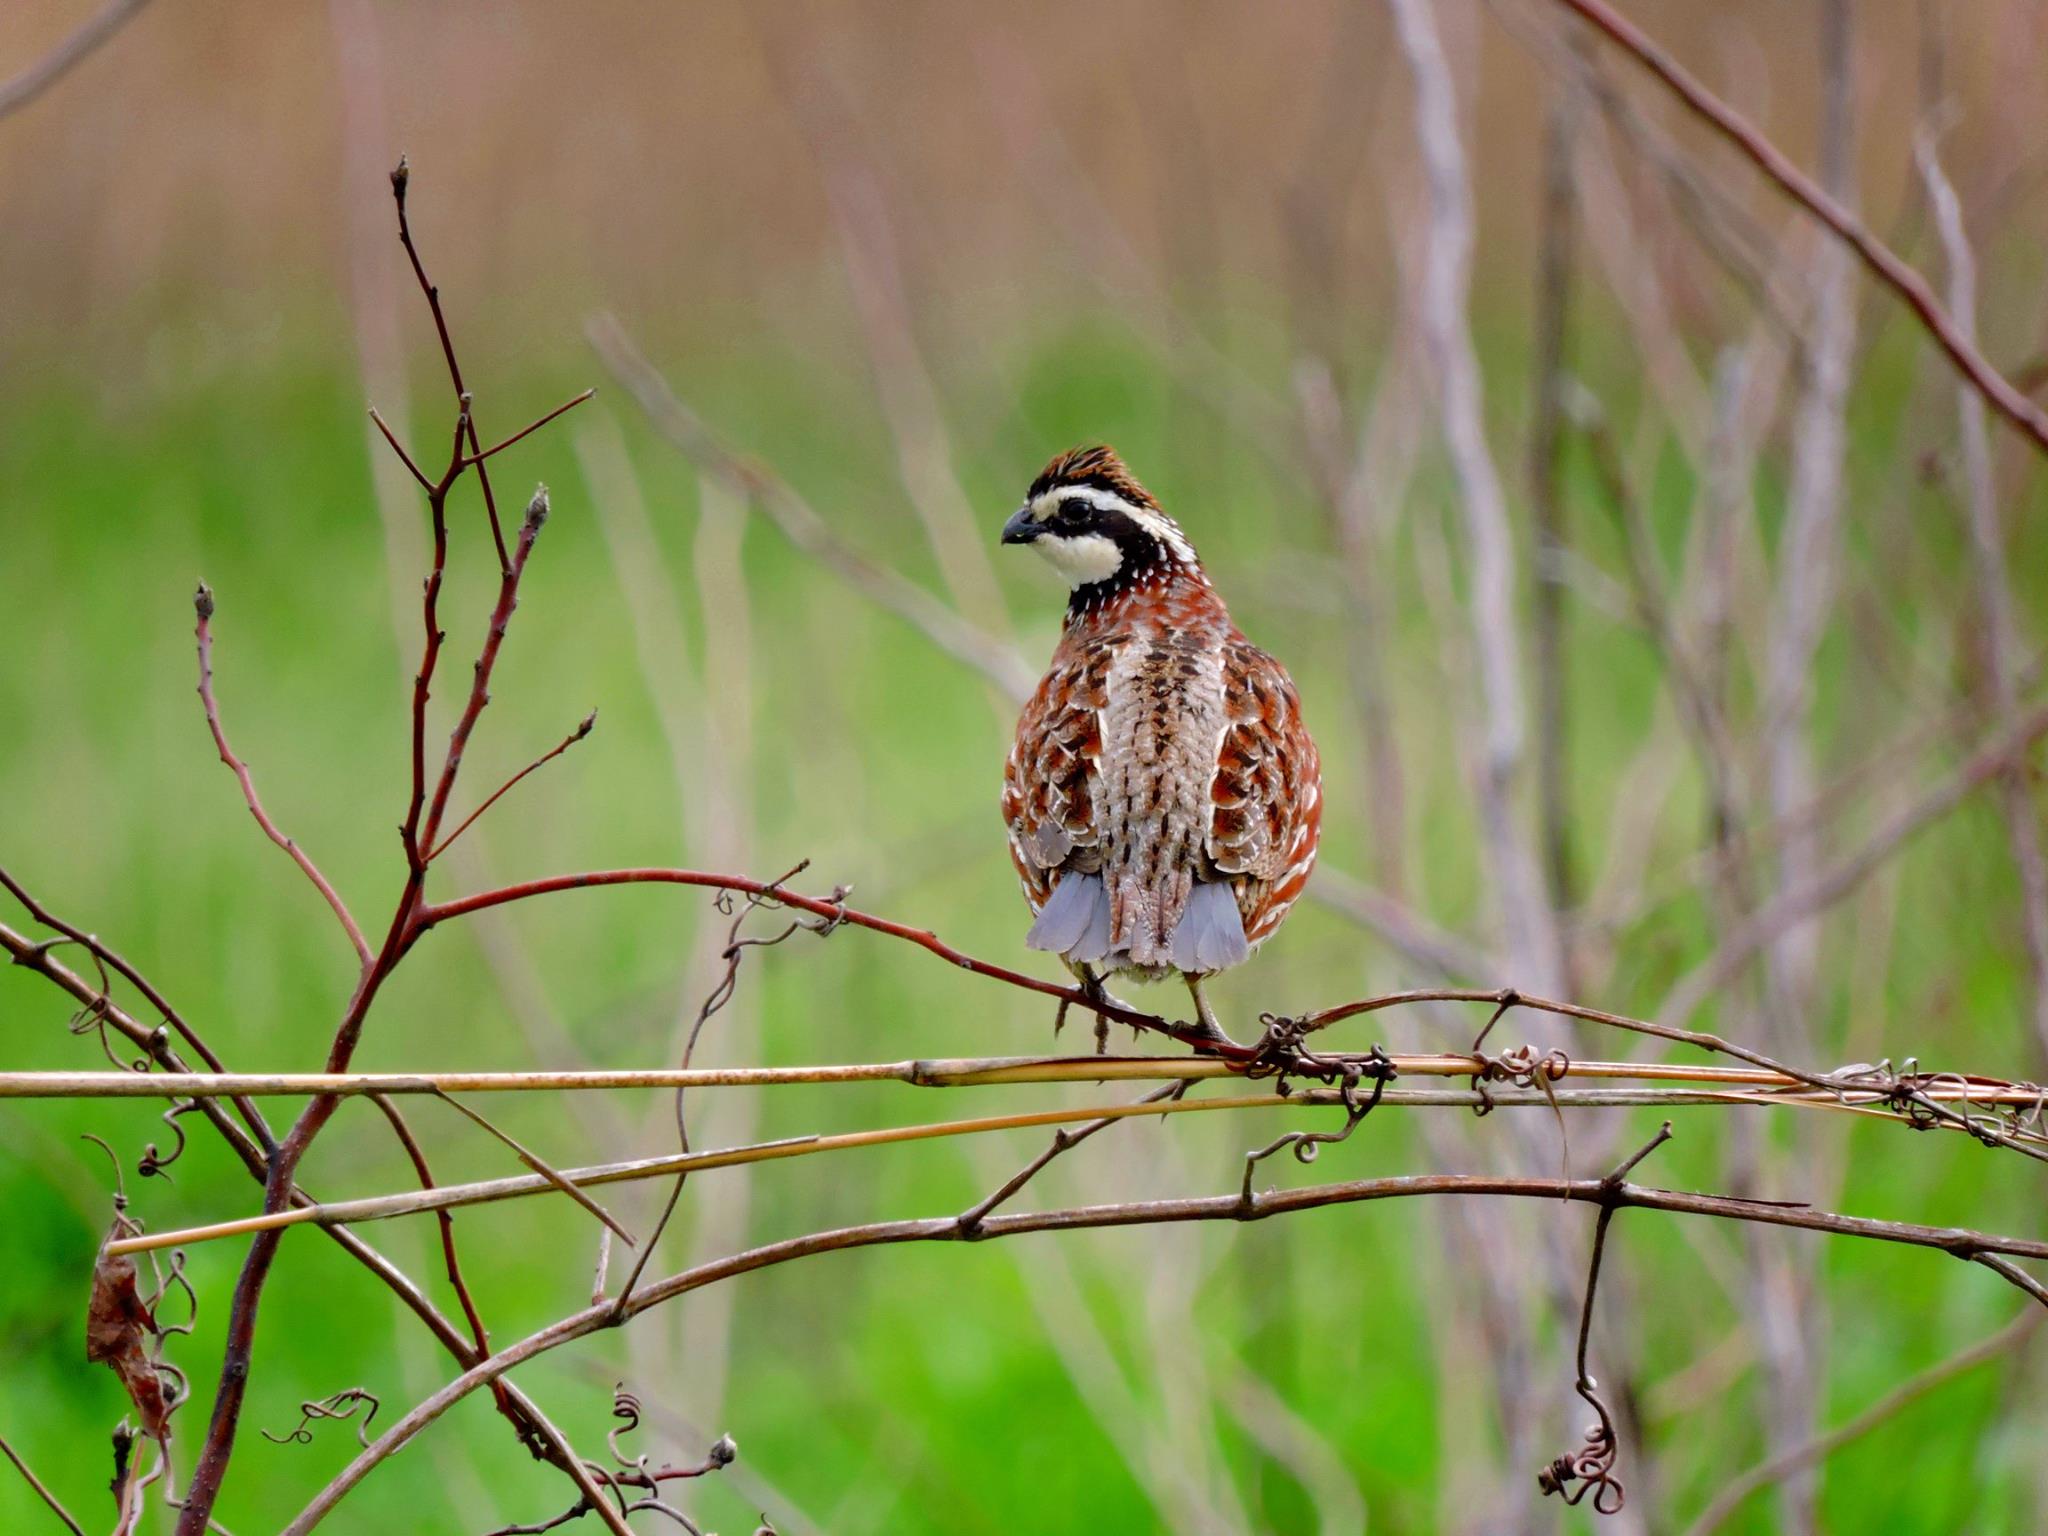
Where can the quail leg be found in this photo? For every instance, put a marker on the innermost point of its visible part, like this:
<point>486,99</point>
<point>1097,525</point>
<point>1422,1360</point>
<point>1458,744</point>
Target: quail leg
<point>1205,1016</point>
<point>1092,985</point>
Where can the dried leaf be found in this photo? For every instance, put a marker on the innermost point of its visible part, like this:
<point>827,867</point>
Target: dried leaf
<point>118,1328</point>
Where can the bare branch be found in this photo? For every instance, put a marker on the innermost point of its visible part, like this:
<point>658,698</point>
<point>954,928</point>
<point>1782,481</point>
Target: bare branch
<point>1882,262</point>
<point>1957,1242</point>
<point>582,730</point>
<point>399,448</point>
<point>150,1040</point>
<point>2003,1344</point>
<point>254,1157</point>
<point>54,65</point>
<point>1063,1141</point>
<point>993,657</point>
<point>542,1167</point>
<point>41,1489</point>
<point>529,429</point>
<point>202,604</point>
<point>1531,926</point>
<point>1994,581</point>
<point>401,178</point>
<point>1840,878</point>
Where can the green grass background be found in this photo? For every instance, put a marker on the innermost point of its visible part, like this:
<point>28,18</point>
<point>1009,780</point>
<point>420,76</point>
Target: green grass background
<point>912,1389</point>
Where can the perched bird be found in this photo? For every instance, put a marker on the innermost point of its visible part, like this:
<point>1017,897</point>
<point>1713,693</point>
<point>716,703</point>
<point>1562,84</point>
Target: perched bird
<point>1163,797</point>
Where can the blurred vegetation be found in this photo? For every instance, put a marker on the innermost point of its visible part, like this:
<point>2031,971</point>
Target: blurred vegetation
<point>904,1390</point>
<point>205,420</point>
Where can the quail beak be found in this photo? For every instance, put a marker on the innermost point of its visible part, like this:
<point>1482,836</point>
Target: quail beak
<point>1022,528</point>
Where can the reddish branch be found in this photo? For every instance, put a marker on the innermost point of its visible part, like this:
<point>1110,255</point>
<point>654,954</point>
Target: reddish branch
<point>419,830</point>
<point>487,659</point>
<point>582,730</point>
<point>818,906</point>
<point>1880,259</point>
<point>466,425</point>
<point>202,604</point>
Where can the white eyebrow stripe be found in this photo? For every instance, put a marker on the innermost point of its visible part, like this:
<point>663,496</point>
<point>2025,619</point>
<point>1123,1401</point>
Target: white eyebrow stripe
<point>1106,501</point>
<point>1161,527</point>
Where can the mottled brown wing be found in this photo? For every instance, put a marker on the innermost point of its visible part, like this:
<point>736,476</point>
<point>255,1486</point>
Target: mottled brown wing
<point>1267,792</point>
<point>1049,781</point>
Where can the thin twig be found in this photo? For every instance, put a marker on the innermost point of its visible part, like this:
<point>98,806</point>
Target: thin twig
<point>401,179</point>
<point>451,1196</point>
<point>759,486</point>
<point>54,65</point>
<point>202,605</point>
<point>1830,885</point>
<point>2002,650</point>
<point>1729,1498</point>
<point>582,730</point>
<point>42,1491</point>
<point>399,448</point>
<point>1882,262</point>
<point>451,1257</point>
<point>1958,1242</point>
<point>528,430</point>
<point>714,1002</point>
<point>254,1157</point>
<point>542,1167</point>
<point>1063,1140</point>
<point>439,912</point>
<point>104,955</point>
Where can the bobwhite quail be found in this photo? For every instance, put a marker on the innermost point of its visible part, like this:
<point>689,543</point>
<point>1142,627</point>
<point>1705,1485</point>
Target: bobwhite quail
<point>1163,797</point>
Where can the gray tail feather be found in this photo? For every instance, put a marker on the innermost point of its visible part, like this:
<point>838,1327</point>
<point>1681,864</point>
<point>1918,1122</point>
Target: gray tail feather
<point>1074,920</point>
<point>1210,933</point>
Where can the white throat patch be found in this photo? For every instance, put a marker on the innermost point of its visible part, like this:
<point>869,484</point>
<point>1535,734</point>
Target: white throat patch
<point>1084,560</point>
